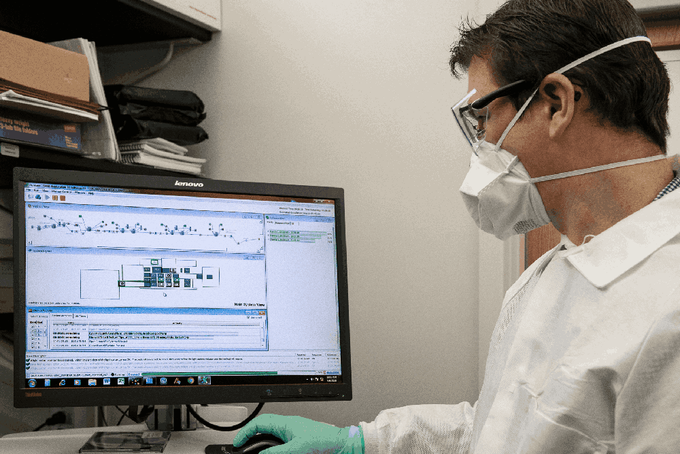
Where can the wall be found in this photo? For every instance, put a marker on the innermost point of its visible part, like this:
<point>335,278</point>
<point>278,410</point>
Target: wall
<point>357,94</point>
<point>653,4</point>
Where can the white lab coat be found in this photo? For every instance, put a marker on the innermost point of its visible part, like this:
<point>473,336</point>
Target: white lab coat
<point>585,356</point>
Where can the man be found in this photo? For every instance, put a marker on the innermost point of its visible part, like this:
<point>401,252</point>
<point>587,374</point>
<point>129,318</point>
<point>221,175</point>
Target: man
<point>566,117</point>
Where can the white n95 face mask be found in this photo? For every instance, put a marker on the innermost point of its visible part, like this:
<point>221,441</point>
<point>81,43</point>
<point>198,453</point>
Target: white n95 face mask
<point>498,191</point>
<point>499,194</point>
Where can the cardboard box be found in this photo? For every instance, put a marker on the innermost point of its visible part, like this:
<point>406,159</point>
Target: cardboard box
<point>44,67</point>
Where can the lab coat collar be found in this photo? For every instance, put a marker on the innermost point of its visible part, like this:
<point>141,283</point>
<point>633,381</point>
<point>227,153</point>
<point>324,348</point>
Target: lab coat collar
<point>627,243</point>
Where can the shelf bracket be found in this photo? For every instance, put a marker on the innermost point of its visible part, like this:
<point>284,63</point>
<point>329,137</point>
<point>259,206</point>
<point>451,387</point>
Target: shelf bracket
<point>155,68</point>
<point>129,64</point>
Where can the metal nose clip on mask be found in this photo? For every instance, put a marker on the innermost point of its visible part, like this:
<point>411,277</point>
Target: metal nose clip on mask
<point>499,193</point>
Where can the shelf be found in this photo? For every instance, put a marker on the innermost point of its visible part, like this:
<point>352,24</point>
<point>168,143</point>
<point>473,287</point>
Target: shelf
<point>117,27</point>
<point>106,22</point>
<point>48,159</point>
<point>120,26</point>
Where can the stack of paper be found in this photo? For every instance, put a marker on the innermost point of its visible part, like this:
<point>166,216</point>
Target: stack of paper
<point>18,101</point>
<point>99,139</point>
<point>161,154</point>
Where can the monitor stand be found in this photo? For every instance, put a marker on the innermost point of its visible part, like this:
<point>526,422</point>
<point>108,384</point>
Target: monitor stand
<point>176,418</point>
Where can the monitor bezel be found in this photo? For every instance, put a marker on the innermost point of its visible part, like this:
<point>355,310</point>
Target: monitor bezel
<point>249,393</point>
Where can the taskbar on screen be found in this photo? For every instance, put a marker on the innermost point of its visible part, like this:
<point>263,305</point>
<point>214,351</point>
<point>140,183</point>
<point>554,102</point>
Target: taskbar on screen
<point>177,380</point>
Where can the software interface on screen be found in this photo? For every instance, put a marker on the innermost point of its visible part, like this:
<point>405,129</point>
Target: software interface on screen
<point>158,288</point>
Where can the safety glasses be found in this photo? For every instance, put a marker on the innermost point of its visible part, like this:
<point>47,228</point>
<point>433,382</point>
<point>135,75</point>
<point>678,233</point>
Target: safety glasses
<point>472,117</point>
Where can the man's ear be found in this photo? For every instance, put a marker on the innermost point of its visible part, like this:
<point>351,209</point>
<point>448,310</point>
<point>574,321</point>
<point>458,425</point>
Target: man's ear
<point>557,92</point>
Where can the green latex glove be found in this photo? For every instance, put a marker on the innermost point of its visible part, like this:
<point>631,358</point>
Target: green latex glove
<point>303,435</point>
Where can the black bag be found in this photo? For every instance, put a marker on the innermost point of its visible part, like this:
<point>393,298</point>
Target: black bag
<point>162,114</point>
<point>174,99</point>
<point>133,129</point>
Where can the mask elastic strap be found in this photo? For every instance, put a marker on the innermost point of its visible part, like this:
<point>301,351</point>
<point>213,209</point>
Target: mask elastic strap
<point>615,165</point>
<point>623,42</point>
<point>515,120</point>
<point>605,49</point>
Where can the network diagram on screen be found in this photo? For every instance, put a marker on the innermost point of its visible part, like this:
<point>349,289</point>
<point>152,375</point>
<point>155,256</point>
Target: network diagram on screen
<point>132,288</point>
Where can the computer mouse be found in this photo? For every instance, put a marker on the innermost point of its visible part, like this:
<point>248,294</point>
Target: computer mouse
<point>254,445</point>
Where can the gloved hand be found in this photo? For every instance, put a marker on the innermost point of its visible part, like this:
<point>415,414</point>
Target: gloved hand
<point>303,435</point>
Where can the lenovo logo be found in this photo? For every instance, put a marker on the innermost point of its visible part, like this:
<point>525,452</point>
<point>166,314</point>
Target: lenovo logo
<point>188,184</point>
<point>33,394</point>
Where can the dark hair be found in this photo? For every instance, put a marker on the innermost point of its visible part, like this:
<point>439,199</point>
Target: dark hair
<point>628,87</point>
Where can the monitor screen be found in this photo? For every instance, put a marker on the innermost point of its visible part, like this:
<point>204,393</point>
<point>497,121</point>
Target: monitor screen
<point>149,290</point>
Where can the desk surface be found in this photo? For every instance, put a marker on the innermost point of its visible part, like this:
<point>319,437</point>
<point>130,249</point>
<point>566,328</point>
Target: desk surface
<point>69,441</point>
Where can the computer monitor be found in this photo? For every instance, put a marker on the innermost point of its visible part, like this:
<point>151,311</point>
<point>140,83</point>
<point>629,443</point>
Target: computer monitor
<point>157,290</point>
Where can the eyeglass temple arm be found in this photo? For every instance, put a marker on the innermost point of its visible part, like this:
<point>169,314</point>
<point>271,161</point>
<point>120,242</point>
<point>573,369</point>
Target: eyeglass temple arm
<point>503,91</point>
